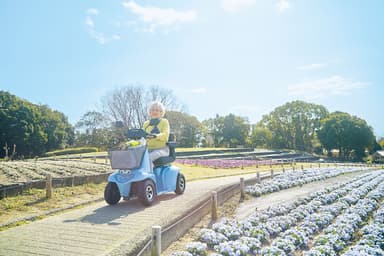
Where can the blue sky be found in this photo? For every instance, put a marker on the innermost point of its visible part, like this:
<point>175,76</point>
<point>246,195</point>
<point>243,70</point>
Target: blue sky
<point>218,57</point>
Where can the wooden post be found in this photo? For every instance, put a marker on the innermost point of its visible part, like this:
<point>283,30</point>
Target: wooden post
<point>319,165</point>
<point>106,159</point>
<point>302,167</point>
<point>242,192</point>
<point>214,205</point>
<point>283,170</point>
<point>271,173</point>
<point>156,241</point>
<point>48,186</point>
<point>258,177</point>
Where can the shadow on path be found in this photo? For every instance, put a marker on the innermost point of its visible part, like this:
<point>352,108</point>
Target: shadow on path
<point>110,214</point>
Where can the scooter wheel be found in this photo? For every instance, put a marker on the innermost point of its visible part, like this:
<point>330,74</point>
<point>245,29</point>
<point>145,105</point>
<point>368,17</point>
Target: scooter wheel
<point>111,193</point>
<point>147,192</point>
<point>180,184</point>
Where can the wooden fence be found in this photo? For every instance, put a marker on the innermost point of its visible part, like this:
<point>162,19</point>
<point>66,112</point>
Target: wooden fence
<point>18,188</point>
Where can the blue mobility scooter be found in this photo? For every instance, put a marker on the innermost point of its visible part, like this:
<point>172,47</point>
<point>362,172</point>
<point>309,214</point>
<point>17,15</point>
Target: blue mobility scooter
<point>134,176</point>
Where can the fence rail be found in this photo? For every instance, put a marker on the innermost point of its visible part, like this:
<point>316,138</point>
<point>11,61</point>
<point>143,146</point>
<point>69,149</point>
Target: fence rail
<point>18,188</point>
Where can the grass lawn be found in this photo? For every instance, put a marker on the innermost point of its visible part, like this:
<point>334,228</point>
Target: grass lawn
<point>33,202</point>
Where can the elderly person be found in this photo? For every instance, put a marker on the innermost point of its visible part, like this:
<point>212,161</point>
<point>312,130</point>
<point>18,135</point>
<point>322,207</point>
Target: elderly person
<point>159,128</point>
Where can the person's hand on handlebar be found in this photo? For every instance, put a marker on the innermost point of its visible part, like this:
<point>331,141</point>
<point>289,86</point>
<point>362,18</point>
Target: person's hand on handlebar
<point>151,136</point>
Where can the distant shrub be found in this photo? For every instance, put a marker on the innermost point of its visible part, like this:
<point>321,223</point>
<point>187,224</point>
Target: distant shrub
<point>69,151</point>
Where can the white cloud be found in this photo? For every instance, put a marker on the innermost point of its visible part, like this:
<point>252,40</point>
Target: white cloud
<point>236,5</point>
<point>282,5</point>
<point>92,11</point>
<point>100,37</point>
<point>334,85</point>
<point>312,66</point>
<point>89,22</point>
<point>103,39</point>
<point>156,17</point>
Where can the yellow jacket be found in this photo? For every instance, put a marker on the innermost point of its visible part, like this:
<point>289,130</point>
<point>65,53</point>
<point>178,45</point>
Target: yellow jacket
<point>161,138</point>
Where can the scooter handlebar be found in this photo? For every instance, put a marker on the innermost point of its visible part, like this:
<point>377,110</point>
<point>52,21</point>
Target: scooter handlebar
<point>136,134</point>
<point>150,136</point>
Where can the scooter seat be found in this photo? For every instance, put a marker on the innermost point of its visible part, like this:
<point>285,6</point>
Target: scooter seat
<point>164,160</point>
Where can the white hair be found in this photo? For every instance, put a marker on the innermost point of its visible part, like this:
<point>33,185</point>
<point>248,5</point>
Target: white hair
<point>158,105</point>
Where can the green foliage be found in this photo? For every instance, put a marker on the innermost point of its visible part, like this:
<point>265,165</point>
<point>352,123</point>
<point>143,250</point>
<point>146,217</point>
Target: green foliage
<point>261,137</point>
<point>69,151</point>
<point>349,134</point>
<point>186,128</point>
<point>293,125</point>
<point>30,130</point>
<point>227,131</point>
<point>92,131</point>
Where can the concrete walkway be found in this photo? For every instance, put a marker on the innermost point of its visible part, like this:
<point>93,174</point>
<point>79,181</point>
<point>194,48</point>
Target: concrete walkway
<point>100,229</point>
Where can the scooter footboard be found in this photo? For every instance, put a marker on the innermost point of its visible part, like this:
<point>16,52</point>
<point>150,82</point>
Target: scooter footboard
<point>166,177</point>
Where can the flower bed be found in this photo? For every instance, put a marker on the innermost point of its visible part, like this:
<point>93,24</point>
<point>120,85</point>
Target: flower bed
<point>225,163</point>
<point>323,223</point>
<point>295,178</point>
<point>22,171</point>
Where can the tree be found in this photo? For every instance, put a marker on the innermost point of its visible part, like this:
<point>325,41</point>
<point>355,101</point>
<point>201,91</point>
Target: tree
<point>349,134</point>
<point>235,130</point>
<point>130,104</point>
<point>261,137</point>
<point>213,128</point>
<point>294,124</point>
<point>55,124</point>
<point>33,129</point>
<point>92,131</point>
<point>186,128</point>
<point>91,121</point>
<point>229,130</point>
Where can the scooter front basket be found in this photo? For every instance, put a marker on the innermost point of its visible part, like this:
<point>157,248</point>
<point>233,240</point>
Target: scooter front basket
<point>128,159</point>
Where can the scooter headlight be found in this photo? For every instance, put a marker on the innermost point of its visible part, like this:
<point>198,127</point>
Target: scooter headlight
<point>124,172</point>
<point>124,176</point>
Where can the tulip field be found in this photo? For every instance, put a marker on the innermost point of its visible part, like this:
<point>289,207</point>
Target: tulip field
<point>343,219</point>
<point>22,171</point>
<point>226,163</point>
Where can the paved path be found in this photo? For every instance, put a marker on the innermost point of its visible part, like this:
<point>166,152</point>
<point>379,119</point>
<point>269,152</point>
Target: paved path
<point>100,229</point>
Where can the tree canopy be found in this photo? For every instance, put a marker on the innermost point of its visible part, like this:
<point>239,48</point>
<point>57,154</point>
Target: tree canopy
<point>29,130</point>
<point>186,128</point>
<point>349,134</point>
<point>294,124</point>
<point>227,131</point>
<point>129,104</point>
